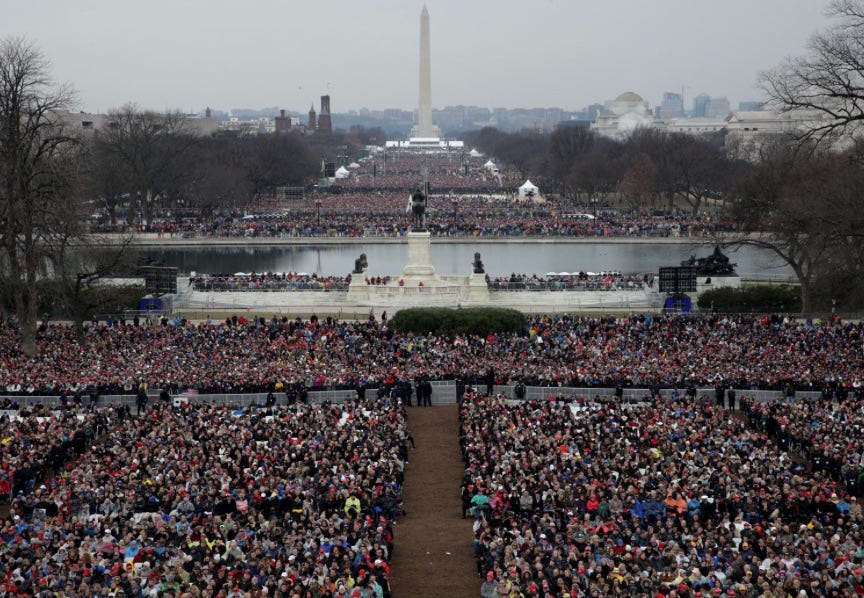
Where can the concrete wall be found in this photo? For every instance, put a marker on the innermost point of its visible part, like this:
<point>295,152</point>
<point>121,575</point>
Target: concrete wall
<point>393,297</point>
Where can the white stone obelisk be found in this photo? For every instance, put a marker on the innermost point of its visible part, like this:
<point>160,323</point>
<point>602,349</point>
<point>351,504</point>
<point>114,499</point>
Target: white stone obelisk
<point>425,128</point>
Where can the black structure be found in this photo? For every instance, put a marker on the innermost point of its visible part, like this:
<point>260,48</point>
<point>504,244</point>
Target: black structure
<point>360,264</point>
<point>478,264</point>
<point>715,264</point>
<point>159,280</point>
<point>676,279</point>
<point>418,209</point>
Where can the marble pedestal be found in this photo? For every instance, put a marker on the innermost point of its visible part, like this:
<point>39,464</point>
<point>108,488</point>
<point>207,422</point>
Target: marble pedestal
<point>358,288</point>
<point>478,290</point>
<point>419,267</point>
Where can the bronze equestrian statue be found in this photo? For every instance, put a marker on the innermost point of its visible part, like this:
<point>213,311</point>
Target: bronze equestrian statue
<point>418,209</point>
<point>715,264</point>
<point>360,264</point>
<point>478,264</point>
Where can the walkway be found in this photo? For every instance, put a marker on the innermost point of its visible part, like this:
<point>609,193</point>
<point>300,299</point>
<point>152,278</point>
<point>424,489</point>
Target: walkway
<point>433,555</point>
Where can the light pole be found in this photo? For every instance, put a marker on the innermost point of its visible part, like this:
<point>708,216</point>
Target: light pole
<point>179,225</point>
<point>318,211</point>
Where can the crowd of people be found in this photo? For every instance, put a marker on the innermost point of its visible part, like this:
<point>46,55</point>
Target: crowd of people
<point>468,199</point>
<point>269,281</point>
<point>204,500</point>
<point>450,170</point>
<point>569,497</point>
<point>574,281</point>
<point>576,498</point>
<point>561,351</point>
<point>292,281</point>
<point>342,215</point>
<point>823,431</point>
<point>663,498</point>
<point>39,442</point>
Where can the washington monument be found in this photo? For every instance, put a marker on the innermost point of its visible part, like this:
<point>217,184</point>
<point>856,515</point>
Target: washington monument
<point>424,127</point>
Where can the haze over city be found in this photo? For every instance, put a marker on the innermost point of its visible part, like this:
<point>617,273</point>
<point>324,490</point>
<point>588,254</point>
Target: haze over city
<point>493,53</point>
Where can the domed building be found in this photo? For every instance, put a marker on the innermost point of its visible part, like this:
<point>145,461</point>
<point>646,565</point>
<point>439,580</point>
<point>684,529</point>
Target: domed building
<point>629,102</point>
<point>622,115</point>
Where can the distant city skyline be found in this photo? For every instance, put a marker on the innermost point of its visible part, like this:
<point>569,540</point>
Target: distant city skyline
<point>567,54</point>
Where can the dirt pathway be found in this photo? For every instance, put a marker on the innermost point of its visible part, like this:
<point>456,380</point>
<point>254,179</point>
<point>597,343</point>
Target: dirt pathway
<point>433,555</point>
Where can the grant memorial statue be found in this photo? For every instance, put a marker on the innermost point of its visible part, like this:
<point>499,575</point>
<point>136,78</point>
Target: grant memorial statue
<point>418,210</point>
<point>715,264</point>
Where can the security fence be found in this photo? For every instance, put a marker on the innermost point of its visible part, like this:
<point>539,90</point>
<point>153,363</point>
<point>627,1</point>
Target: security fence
<point>443,393</point>
<point>640,394</point>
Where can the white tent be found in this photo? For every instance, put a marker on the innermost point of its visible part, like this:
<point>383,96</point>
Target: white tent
<point>474,153</point>
<point>490,165</point>
<point>342,173</point>
<point>528,189</point>
<point>353,165</point>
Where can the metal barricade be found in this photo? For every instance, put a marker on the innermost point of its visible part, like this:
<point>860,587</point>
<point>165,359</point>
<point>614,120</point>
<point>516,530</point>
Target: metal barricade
<point>443,393</point>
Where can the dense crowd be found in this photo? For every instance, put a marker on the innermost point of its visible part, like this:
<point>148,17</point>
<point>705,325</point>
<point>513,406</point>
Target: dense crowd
<point>269,281</point>
<point>575,281</point>
<point>824,431</point>
<point>203,500</point>
<point>36,443</point>
<point>577,497</point>
<point>238,355</point>
<point>650,499</point>
<point>450,170</point>
<point>292,281</point>
<point>467,200</point>
<point>341,216</point>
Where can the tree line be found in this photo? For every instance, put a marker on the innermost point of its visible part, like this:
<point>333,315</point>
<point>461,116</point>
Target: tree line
<point>792,194</point>
<point>648,167</point>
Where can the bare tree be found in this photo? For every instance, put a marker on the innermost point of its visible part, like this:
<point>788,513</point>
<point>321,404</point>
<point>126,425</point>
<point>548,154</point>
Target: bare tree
<point>152,149</point>
<point>581,161</point>
<point>790,205</point>
<point>220,177</point>
<point>277,160</point>
<point>108,180</point>
<point>34,162</point>
<point>81,264</point>
<point>693,168</point>
<point>567,144</point>
<point>639,180</point>
<point>827,82</point>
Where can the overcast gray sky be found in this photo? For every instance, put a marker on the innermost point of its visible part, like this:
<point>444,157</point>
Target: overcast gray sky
<point>188,54</point>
